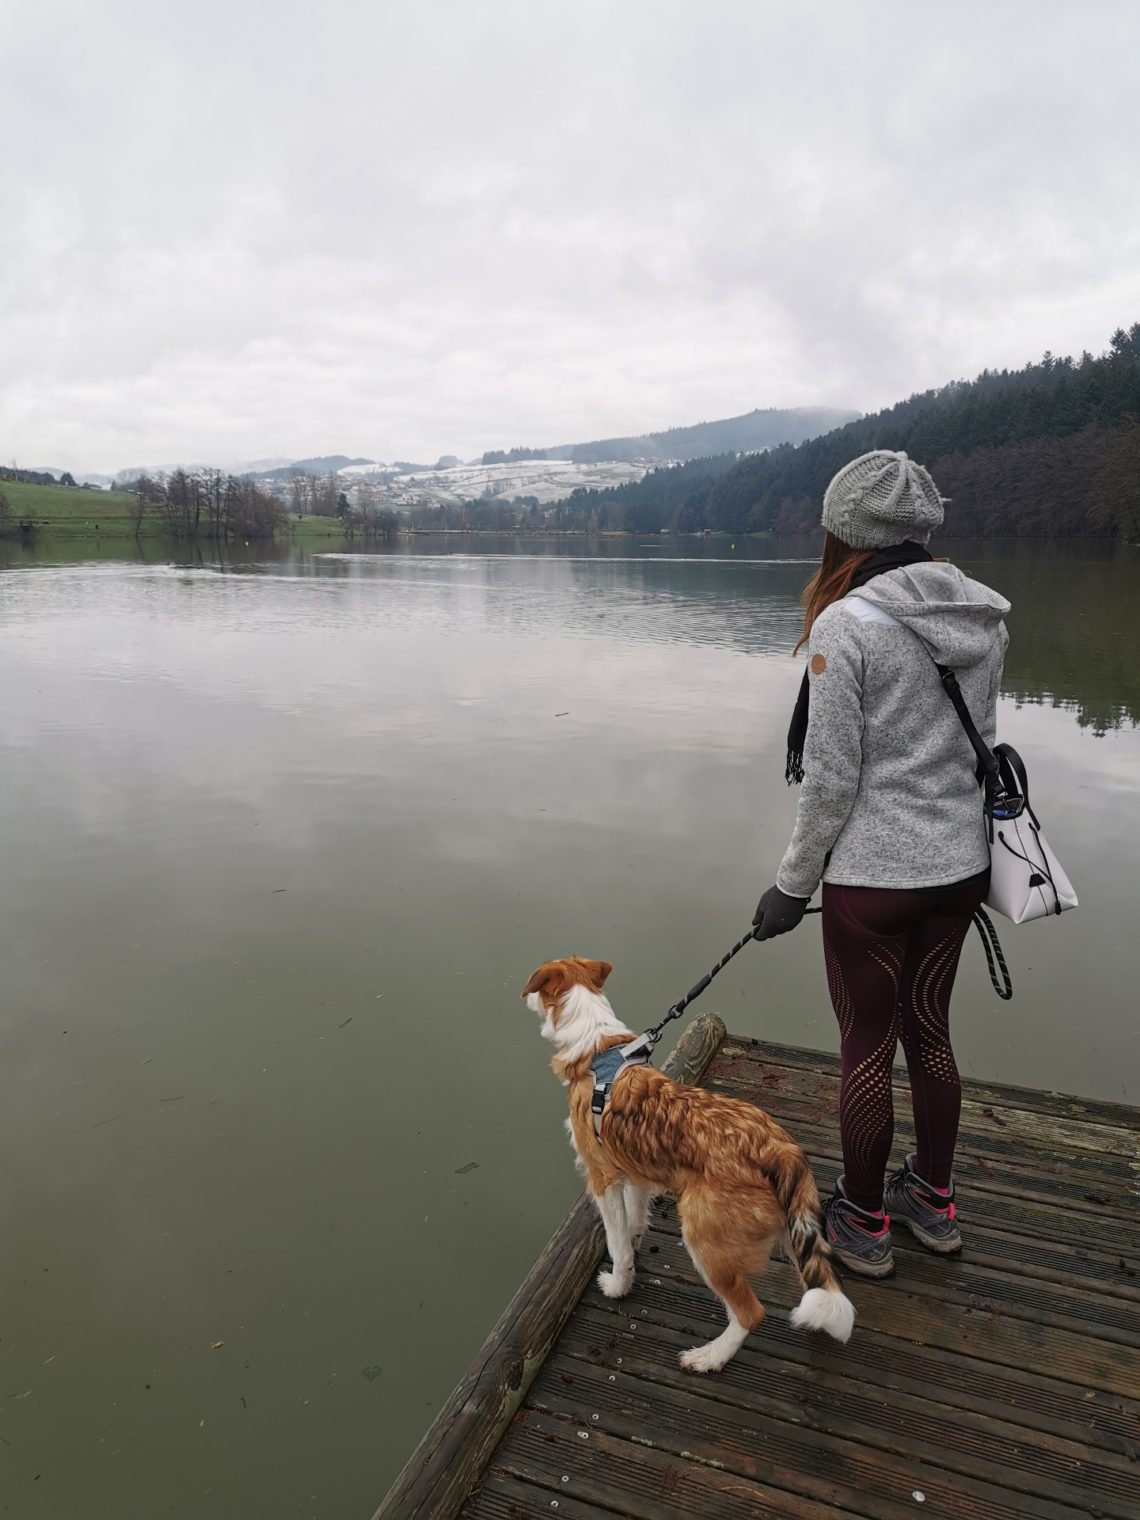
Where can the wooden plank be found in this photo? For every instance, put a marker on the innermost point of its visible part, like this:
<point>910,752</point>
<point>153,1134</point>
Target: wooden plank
<point>895,1311</point>
<point>962,1285</point>
<point>1062,1205</point>
<point>812,1096</point>
<point>690,1422</point>
<point>500,1497</point>
<point>1012,1144</point>
<point>1031,1399</point>
<point>909,1416</point>
<point>1064,1105</point>
<point>1031,1256</point>
<point>449,1460</point>
<point>654,1485</point>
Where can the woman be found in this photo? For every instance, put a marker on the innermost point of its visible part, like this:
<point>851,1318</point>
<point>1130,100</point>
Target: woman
<point>890,818</point>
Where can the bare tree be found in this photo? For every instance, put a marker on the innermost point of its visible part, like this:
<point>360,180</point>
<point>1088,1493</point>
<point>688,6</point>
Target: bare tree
<point>299,493</point>
<point>328,489</point>
<point>364,499</point>
<point>213,494</point>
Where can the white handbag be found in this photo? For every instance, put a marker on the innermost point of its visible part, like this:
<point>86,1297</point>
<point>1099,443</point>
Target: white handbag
<point>1027,880</point>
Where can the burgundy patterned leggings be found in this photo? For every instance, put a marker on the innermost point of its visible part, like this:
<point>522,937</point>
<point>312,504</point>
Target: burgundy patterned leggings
<point>891,958</point>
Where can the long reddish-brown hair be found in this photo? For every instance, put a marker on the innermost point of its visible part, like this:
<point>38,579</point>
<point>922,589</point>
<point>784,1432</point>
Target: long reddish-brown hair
<point>832,581</point>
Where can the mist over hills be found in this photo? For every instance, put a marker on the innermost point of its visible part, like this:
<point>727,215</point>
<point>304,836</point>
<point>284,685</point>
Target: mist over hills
<point>762,428</point>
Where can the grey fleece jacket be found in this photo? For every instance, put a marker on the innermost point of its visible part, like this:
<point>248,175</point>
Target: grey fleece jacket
<point>889,797</point>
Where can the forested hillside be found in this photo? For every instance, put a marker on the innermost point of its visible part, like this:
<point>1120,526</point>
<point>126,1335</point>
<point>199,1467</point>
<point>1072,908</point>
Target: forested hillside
<point>1049,450</point>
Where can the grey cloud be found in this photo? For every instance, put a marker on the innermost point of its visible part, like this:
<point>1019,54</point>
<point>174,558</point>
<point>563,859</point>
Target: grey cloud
<point>274,228</point>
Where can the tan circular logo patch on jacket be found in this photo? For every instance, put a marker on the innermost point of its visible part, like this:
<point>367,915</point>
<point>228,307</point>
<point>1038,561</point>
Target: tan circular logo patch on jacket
<point>818,664</point>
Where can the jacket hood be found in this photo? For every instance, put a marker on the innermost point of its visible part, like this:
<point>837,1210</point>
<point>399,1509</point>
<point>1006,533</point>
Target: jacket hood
<point>957,618</point>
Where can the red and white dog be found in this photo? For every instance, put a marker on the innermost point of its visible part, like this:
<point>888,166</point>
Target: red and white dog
<point>741,1182</point>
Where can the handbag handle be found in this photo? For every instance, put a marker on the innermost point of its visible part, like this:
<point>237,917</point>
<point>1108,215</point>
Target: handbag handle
<point>1008,758</point>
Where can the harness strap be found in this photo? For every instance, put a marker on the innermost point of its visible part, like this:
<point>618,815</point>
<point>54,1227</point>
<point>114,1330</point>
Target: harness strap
<point>636,1052</point>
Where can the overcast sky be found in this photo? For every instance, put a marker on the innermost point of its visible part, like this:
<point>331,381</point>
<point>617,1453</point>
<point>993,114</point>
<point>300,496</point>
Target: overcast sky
<point>264,227</point>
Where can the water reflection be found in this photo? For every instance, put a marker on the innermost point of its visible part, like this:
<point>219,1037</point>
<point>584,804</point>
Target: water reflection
<point>284,833</point>
<point>1076,606</point>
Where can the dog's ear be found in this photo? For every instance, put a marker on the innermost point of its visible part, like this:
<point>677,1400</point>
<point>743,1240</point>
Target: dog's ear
<point>598,970</point>
<point>538,980</point>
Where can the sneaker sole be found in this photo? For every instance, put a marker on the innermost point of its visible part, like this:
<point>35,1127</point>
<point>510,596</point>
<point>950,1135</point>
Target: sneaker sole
<point>864,1268</point>
<point>942,1246</point>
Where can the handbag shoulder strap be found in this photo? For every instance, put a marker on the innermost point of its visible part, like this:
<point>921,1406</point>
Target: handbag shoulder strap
<point>988,762</point>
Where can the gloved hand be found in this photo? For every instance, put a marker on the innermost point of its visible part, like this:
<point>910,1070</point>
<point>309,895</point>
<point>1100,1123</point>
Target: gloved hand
<point>777,913</point>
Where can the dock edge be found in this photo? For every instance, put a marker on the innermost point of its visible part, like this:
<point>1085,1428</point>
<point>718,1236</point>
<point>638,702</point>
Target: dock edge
<point>448,1462</point>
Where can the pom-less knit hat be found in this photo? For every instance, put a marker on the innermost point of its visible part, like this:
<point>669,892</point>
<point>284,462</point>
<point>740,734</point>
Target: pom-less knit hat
<point>880,499</point>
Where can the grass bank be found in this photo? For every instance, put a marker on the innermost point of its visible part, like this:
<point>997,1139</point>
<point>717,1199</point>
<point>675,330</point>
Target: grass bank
<point>66,512</point>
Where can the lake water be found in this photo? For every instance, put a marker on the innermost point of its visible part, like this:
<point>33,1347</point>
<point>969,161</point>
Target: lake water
<point>285,834</point>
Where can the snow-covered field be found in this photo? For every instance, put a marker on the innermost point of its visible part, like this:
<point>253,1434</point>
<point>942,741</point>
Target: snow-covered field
<point>546,479</point>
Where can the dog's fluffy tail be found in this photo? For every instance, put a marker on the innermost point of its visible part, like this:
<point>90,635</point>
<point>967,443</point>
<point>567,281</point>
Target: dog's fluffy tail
<point>824,1305</point>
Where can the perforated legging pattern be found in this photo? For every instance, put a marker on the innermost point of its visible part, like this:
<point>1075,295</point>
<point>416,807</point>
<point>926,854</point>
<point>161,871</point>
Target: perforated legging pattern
<point>891,957</point>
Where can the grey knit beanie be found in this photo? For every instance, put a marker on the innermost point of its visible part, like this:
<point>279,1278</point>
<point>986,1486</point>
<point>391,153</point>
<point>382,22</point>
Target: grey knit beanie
<point>880,499</point>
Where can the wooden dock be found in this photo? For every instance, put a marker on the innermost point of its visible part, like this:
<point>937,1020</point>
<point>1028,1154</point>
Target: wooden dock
<point>1004,1383</point>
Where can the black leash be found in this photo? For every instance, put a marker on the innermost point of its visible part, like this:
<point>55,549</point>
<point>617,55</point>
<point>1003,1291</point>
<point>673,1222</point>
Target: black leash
<point>653,1034</point>
<point>982,922</point>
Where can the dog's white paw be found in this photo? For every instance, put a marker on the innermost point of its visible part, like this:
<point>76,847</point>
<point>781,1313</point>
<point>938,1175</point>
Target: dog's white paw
<point>615,1284</point>
<point>702,1359</point>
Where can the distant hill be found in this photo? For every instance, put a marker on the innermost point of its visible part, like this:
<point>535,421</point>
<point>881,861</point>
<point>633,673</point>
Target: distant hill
<point>320,464</point>
<point>760,429</point>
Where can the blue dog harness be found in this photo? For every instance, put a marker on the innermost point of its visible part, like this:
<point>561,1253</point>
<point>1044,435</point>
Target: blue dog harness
<point>609,1065</point>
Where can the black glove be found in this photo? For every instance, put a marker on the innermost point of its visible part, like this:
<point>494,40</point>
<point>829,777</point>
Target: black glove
<point>777,913</point>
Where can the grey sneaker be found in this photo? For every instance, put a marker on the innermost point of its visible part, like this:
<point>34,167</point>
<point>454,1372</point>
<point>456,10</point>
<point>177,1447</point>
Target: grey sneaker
<point>930,1216</point>
<point>860,1240</point>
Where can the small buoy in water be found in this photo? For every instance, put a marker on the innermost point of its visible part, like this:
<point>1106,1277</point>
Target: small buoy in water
<point>918,1496</point>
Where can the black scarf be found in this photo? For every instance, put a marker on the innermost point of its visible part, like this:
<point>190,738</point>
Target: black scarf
<point>887,559</point>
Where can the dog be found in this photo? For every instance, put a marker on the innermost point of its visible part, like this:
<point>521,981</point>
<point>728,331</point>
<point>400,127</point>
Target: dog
<point>740,1181</point>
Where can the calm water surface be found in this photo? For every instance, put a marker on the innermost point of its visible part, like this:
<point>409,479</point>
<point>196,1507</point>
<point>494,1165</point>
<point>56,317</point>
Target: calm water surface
<point>284,836</point>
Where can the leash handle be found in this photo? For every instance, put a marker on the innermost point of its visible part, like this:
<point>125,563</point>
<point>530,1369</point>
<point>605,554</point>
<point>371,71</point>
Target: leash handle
<point>992,946</point>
